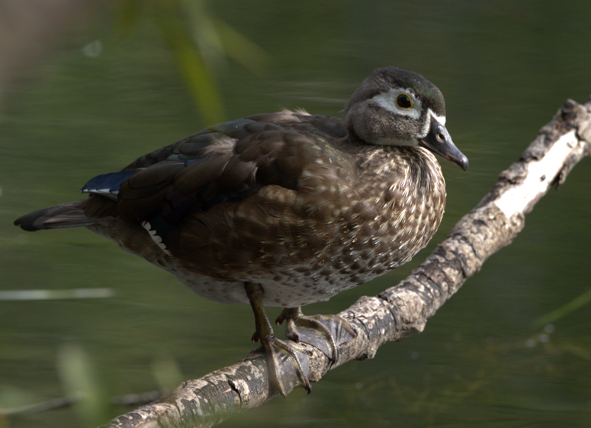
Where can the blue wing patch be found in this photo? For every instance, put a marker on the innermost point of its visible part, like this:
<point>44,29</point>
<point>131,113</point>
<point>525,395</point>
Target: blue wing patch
<point>108,184</point>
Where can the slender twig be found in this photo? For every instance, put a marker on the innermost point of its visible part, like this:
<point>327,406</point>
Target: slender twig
<point>61,402</point>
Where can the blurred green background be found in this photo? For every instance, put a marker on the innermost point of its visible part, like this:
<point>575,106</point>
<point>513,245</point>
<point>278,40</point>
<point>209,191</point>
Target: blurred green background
<point>86,88</point>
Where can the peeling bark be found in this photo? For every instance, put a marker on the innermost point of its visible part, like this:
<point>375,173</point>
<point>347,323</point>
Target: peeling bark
<point>402,310</point>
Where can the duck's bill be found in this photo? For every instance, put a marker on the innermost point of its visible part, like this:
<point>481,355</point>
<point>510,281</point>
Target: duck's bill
<point>439,141</point>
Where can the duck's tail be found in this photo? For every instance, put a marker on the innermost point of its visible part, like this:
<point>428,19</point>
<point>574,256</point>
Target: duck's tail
<point>56,217</point>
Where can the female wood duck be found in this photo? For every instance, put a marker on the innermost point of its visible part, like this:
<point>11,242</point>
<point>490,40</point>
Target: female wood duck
<point>283,209</point>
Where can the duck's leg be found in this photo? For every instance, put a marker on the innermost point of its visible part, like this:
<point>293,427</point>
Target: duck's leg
<point>283,362</point>
<point>325,332</point>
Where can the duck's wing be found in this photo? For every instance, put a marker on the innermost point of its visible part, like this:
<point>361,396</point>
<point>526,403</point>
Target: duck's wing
<point>218,167</point>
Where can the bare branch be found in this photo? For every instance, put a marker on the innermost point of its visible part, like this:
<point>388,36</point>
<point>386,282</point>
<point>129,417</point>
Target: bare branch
<point>402,310</point>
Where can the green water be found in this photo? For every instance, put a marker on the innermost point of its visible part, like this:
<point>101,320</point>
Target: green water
<point>504,68</point>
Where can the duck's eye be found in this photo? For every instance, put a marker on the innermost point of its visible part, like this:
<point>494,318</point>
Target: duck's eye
<point>403,101</point>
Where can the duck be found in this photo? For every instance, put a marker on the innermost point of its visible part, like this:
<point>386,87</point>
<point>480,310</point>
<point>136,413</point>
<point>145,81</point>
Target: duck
<point>283,209</point>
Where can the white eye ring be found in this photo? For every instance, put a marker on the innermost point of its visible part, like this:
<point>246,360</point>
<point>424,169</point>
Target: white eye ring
<point>389,101</point>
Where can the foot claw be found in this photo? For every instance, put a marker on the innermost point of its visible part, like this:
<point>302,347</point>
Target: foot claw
<point>285,365</point>
<point>325,332</point>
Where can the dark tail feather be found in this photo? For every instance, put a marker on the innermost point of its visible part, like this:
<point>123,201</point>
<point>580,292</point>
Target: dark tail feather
<point>57,217</point>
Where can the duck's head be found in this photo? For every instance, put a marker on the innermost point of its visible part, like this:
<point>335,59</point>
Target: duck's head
<point>402,108</point>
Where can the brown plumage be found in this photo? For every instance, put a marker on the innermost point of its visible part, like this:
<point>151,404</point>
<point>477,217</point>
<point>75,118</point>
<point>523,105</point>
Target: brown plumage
<point>305,206</point>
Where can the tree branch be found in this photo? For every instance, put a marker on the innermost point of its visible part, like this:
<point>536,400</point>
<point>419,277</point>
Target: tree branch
<point>402,310</point>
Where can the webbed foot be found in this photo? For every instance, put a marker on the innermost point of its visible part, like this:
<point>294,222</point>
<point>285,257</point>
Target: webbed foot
<point>325,332</point>
<point>288,364</point>
<point>286,368</point>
